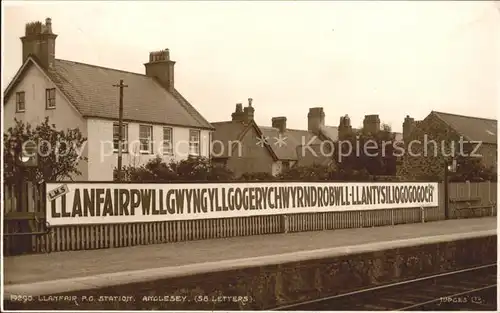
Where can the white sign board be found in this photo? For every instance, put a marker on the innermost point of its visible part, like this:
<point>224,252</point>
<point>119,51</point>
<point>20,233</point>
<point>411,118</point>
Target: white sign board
<point>109,203</point>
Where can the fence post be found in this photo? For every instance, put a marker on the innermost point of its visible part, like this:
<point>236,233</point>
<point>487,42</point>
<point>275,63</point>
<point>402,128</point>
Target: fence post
<point>422,210</point>
<point>285,223</point>
<point>445,182</point>
<point>392,217</point>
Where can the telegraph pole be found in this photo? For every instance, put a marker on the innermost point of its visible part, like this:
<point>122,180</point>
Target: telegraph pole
<point>120,127</point>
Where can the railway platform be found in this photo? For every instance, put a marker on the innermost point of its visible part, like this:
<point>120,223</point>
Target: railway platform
<point>66,272</point>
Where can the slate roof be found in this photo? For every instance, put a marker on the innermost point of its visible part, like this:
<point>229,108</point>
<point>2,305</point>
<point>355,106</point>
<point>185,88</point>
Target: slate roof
<point>472,128</point>
<point>90,89</point>
<point>226,132</point>
<point>234,131</point>
<point>332,132</point>
<point>293,139</point>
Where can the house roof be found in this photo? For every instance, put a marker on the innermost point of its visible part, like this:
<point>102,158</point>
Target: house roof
<point>233,132</point>
<point>472,128</point>
<point>292,138</point>
<point>90,89</point>
<point>314,154</point>
<point>331,132</point>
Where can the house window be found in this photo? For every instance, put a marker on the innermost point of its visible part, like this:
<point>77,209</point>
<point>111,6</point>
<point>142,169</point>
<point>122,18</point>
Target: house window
<point>194,142</point>
<point>116,127</point>
<point>50,98</point>
<point>167,141</point>
<point>20,104</point>
<point>146,139</point>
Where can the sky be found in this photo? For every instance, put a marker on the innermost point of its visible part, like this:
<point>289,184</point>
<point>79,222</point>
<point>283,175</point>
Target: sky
<point>357,58</point>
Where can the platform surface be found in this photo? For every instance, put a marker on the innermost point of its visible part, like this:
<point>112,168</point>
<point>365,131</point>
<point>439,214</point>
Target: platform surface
<point>63,265</point>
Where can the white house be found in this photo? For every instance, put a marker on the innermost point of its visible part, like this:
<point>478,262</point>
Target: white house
<point>158,120</point>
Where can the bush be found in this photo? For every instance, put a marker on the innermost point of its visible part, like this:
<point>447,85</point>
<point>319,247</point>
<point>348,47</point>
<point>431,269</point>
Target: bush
<point>201,169</point>
<point>315,172</point>
<point>191,169</point>
<point>259,176</point>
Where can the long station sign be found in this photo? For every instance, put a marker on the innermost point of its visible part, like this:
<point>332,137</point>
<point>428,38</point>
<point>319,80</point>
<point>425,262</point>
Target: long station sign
<point>109,203</point>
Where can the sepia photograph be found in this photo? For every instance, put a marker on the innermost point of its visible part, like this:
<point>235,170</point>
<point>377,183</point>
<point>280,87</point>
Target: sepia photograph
<point>249,155</point>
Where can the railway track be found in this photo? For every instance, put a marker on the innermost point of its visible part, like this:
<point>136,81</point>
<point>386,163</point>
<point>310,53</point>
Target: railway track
<point>469,289</point>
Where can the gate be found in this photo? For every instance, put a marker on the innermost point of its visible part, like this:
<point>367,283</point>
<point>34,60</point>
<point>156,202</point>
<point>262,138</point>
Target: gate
<point>24,218</point>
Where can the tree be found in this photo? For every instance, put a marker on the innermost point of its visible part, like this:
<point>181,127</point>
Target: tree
<point>473,170</point>
<point>58,151</point>
<point>372,153</point>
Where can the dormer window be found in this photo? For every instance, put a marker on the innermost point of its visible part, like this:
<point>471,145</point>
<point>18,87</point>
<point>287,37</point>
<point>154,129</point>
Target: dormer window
<point>50,98</point>
<point>20,104</point>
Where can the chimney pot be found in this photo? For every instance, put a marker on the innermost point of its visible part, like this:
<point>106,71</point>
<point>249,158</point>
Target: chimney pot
<point>161,67</point>
<point>48,25</point>
<point>279,123</point>
<point>39,41</point>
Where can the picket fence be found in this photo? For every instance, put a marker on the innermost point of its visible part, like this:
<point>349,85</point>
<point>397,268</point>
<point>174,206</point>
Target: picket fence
<point>28,214</point>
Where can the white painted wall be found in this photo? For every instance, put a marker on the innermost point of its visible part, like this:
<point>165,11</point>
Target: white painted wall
<point>64,116</point>
<point>99,132</point>
<point>102,159</point>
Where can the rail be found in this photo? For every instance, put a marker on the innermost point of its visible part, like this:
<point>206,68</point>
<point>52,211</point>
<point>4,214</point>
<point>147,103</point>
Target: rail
<point>397,284</point>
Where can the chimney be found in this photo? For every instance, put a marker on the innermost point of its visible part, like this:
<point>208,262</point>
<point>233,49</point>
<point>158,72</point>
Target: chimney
<point>238,113</point>
<point>39,41</point>
<point>371,123</point>
<point>248,112</point>
<point>244,115</point>
<point>161,67</point>
<point>408,127</point>
<point>279,123</point>
<point>315,120</point>
<point>345,127</point>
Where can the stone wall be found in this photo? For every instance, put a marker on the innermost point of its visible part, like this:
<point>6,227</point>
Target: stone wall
<point>271,286</point>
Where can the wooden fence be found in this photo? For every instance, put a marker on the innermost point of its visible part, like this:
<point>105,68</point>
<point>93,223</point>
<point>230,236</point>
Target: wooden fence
<point>463,195</point>
<point>28,215</point>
